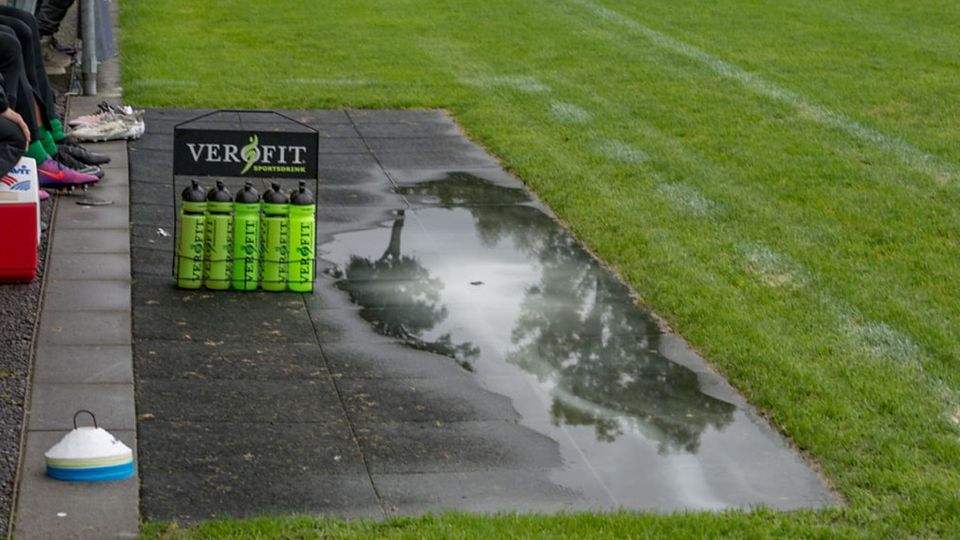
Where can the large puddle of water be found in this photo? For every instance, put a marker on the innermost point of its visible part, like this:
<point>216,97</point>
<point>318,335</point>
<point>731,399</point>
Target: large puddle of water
<point>479,273</point>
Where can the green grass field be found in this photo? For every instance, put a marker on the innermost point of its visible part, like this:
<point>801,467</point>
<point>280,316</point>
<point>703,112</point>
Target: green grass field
<point>779,180</point>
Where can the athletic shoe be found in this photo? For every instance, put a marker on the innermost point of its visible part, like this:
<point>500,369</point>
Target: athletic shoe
<point>106,113</point>
<point>54,175</point>
<point>53,69</point>
<point>70,162</point>
<point>65,49</point>
<point>116,129</point>
<point>137,129</point>
<point>53,59</point>
<point>75,150</point>
<point>90,119</point>
<point>43,195</point>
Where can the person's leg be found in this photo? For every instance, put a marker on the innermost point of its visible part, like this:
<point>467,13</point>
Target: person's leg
<point>16,87</point>
<point>21,99</point>
<point>52,12</point>
<point>31,22</point>
<point>49,15</point>
<point>25,27</point>
<point>15,27</point>
<point>11,145</point>
<point>51,126</point>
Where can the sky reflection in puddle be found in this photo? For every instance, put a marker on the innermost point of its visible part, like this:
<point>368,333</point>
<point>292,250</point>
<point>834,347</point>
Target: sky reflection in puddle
<point>476,272</point>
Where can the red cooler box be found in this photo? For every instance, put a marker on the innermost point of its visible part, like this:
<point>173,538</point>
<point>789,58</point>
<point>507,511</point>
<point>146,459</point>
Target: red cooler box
<point>19,222</point>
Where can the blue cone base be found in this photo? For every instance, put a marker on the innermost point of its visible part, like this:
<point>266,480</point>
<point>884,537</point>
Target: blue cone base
<point>91,474</point>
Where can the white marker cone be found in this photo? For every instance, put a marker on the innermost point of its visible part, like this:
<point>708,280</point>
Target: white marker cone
<point>89,454</point>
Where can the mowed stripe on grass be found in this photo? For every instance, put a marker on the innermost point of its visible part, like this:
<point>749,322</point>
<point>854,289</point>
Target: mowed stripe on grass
<point>911,156</point>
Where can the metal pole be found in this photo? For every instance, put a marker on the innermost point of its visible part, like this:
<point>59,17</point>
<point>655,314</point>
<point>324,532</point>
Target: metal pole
<point>88,60</point>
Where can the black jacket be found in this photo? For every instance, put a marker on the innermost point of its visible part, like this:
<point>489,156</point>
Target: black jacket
<point>4,104</point>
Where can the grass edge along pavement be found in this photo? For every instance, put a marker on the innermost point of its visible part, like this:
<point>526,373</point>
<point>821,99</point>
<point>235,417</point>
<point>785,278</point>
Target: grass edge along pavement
<point>614,525</point>
<point>778,182</point>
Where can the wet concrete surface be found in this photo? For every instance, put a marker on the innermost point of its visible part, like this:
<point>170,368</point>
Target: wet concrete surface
<point>461,351</point>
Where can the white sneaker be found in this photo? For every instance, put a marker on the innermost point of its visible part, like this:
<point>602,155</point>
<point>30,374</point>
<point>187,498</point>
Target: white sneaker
<point>106,113</point>
<point>136,129</point>
<point>115,129</point>
<point>90,119</point>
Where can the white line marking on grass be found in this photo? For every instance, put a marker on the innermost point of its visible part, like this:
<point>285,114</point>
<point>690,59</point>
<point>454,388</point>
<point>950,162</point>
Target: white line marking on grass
<point>569,113</point>
<point>687,198</point>
<point>327,82</point>
<point>885,343</point>
<point>882,341</point>
<point>621,151</point>
<point>774,269</point>
<point>915,158</point>
<point>522,83</point>
<point>163,82</point>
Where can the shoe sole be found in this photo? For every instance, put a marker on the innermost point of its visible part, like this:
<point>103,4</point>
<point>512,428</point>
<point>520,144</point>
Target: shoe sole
<point>130,134</point>
<point>68,187</point>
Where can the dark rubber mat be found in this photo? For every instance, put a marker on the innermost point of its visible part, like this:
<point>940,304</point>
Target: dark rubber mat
<point>461,351</point>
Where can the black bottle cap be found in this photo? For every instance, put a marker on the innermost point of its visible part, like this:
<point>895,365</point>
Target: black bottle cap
<point>275,195</point>
<point>193,193</point>
<point>248,195</point>
<point>219,194</point>
<point>302,196</point>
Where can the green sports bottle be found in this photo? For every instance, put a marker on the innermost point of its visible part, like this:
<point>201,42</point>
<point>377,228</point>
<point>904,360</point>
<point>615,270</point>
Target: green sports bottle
<point>303,239</point>
<point>219,233</point>
<point>190,244</point>
<point>246,239</point>
<point>276,239</point>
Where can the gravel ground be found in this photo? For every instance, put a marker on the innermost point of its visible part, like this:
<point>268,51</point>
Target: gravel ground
<point>19,311</point>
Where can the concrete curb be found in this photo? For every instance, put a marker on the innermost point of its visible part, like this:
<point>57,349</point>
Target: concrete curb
<point>83,354</point>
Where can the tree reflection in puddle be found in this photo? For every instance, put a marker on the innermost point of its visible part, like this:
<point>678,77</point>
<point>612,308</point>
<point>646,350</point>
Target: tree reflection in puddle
<point>545,307</point>
<point>412,289</point>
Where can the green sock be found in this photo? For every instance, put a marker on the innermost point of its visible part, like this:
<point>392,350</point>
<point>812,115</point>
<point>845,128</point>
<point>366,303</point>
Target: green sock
<point>47,139</point>
<point>56,129</point>
<point>37,152</point>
